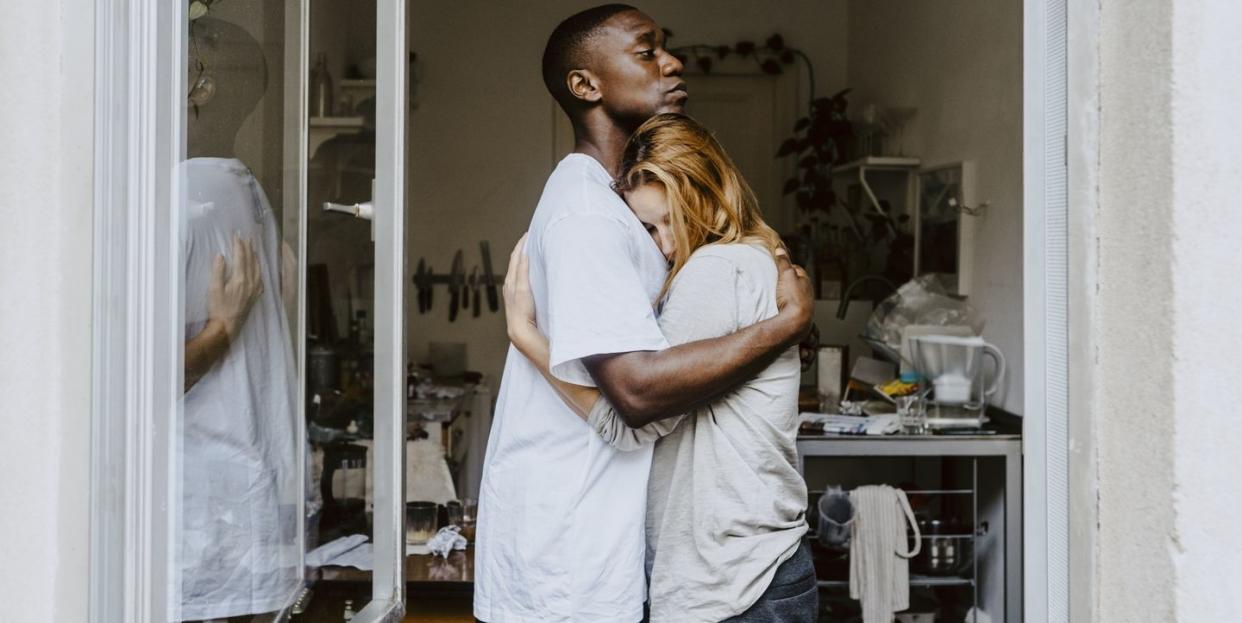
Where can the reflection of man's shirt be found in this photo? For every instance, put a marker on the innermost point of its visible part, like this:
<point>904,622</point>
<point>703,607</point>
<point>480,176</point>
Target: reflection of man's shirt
<point>238,547</point>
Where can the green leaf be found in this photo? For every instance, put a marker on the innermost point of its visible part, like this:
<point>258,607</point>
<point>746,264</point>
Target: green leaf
<point>788,147</point>
<point>808,161</point>
<point>792,184</point>
<point>802,123</point>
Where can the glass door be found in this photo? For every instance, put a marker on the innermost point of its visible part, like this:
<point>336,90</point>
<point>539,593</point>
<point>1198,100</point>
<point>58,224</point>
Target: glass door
<point>286,195</point>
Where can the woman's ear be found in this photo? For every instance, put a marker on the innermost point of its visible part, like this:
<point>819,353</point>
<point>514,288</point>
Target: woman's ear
<point>583,85</point>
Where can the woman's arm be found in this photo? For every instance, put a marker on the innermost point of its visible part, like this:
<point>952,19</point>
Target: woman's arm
<point>520,318</point>
<point>229,300</point>
<point>585,401</point>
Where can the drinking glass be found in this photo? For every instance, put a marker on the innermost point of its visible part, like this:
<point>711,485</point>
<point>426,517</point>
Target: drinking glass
<point>912,411</point>
<point>420,522</point>
<point>454,512</point>
<point>469,515</point>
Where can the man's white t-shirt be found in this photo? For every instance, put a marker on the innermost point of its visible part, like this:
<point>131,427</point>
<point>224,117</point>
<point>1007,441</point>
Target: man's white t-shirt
<point>237,548</point>
<point>561,513</point>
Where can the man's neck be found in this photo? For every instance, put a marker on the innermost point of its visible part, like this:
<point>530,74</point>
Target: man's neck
<point>601,138</point>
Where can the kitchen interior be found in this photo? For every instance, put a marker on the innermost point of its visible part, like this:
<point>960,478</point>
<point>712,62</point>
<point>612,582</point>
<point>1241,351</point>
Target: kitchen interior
<point>883,139</point>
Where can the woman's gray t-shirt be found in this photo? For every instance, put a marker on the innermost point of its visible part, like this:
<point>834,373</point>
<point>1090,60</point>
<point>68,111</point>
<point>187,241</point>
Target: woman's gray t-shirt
<point>726,504</point>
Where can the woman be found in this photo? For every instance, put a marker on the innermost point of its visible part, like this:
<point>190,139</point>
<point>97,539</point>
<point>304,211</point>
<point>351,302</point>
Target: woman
<point>726,504</point>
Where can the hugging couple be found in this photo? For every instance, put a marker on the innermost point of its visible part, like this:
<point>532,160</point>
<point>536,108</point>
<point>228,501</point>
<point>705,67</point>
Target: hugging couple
<point>642,464</point>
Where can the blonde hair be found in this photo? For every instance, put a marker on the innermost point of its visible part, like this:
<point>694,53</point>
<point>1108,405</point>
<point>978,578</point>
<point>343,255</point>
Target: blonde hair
<point>708,199</point>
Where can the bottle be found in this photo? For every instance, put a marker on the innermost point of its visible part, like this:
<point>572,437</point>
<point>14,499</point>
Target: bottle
<point>349,610</point>
<point>321,88</point>
<point>409,381</point>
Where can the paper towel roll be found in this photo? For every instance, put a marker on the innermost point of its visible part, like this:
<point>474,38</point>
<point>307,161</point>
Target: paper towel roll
<point>828,364</point>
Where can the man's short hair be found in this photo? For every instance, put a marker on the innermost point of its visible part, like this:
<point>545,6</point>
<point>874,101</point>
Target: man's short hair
<point>568,47</point>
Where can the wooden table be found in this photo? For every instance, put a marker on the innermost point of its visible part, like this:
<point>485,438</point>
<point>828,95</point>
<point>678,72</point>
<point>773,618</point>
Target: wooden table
<point>420,569</point>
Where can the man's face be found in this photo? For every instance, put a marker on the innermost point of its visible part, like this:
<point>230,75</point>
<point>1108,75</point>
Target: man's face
<point>638,77</point>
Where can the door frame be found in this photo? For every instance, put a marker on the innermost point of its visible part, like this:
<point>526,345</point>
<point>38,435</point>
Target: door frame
<point>1058,130</point>
<point>137,312</point>
<point>133,314</point>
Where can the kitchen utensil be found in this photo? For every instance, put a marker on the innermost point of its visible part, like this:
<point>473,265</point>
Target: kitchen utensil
<point>456,285</point>
<point>911,331</point>
<point>493,299</point>
<point>423,282</point>
<point>836,515</point>
<point>954,367</point>
<point>474,287</point>
<point>947,548</point>
<point>322,368</point>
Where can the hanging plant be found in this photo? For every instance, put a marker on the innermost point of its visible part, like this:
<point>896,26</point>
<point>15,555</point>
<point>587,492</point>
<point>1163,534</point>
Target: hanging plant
<point>819,137</point>
<point>817,143</point>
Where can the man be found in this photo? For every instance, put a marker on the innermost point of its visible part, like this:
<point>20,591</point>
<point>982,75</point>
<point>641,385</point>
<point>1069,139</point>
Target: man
<point>561,522</point>
<point>237,545</point>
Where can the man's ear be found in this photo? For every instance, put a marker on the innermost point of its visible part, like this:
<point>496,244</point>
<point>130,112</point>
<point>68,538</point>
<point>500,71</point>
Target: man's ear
<point>583,85</point>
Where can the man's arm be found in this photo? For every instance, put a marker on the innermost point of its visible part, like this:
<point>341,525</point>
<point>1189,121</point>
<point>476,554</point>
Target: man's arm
<point>586,402</point>
<point>647,386</point>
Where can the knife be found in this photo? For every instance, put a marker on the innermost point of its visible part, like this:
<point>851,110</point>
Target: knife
<point>456,276</point>
<point>421,286</point>
<point>474,285</point>
<point>493,300</point>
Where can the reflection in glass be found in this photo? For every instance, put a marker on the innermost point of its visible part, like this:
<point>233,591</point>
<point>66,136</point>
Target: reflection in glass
<point>940,199</point>
<point>237,542</point>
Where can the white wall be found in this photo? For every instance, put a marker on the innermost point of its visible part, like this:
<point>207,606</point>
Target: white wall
<point>47,61</point>
<point>1133,326</point>
<point>960,64</point>
<point>481,142</point>
<point>1165,323</point>
<point>1206,297</point>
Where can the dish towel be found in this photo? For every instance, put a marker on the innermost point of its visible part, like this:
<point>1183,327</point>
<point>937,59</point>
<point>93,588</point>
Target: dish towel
<point>879,562</point>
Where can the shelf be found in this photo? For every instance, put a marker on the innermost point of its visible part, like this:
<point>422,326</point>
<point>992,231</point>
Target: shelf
<point>360,85</point>
<point>335,122</point>
<point>915,580</point>
<point>892,163</point>
<point>914,492</point>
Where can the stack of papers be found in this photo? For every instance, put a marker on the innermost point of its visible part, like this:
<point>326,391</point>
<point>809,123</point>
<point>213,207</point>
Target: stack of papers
<point>853,424</point>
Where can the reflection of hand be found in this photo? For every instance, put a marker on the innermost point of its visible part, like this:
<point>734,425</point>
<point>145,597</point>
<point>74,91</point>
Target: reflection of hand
<point>519,302</point>
<point>233,292</point>
<point>794,297</point>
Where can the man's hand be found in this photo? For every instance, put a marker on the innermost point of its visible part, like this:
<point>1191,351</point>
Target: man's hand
<point>795,299</point>
<point>233,292</point>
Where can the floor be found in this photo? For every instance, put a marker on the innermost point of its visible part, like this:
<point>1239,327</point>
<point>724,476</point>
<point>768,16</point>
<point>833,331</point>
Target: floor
<point>448,609</point>
<point>328,604</point>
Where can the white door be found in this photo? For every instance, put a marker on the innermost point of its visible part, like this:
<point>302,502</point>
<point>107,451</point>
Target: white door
<point>206,489</point>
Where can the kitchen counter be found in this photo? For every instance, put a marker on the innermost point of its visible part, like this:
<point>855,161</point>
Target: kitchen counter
<point>419,569</point>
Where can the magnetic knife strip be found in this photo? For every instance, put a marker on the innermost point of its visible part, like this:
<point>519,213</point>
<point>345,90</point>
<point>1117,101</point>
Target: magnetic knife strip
<point>464,288</point>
